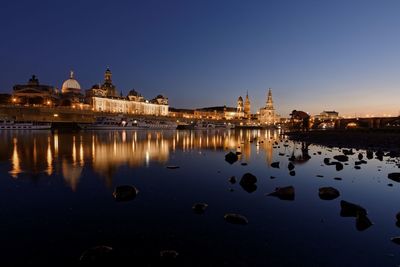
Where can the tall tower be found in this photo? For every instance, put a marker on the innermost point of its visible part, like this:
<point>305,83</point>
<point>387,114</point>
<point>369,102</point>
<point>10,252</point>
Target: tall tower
<point>270,103</point>
<point>240,105</point>
<point>247,106</point>
<point>107,76</point>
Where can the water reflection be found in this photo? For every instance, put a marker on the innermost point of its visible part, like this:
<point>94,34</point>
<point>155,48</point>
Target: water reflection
<point>46,153</point>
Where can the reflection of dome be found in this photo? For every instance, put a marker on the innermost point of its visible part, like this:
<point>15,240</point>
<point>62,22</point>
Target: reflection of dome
<point>71,85</point>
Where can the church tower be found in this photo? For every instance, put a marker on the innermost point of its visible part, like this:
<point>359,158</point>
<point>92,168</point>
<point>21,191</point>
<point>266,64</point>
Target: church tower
<point>270,103</point>
<point>111,91</point>
<point>239,105</point>
<point>247,106</point>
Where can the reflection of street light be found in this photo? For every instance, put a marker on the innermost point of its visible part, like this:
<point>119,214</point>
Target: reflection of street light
<point>48,102</point>
<point>14,100</point>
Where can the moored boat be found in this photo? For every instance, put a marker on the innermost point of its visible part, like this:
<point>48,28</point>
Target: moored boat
<point>23,125</point>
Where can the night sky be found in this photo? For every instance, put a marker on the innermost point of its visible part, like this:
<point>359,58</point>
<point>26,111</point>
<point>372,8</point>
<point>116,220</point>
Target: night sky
<point>315,55</point>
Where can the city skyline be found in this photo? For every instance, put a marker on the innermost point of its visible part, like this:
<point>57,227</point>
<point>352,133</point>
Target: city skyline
<point>339,56</point>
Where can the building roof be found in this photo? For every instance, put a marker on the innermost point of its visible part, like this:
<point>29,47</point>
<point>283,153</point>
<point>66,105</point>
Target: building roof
<point>70,85</point>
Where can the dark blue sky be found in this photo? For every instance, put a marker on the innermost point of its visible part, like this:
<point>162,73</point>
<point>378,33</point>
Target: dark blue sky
<point>315,55</point>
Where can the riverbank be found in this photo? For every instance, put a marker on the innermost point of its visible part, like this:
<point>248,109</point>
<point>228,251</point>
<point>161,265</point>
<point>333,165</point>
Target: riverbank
<point>384,139</point>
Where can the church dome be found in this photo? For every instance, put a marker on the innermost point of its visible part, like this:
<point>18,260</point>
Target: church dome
<point>71,85</point>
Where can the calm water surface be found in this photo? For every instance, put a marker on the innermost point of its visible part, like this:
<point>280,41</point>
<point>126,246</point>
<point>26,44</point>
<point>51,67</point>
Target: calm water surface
<point>56,200</point>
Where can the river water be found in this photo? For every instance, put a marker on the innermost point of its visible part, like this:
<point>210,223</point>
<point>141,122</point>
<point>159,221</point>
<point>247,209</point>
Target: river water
<point>56,200</point>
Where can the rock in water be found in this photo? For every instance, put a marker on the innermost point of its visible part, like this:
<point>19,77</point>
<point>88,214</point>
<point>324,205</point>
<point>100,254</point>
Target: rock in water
<point>232,180</point>
<point>275,164</point>
<point>328,193</point>
<point>327,161</point>
<point>341,158</point>
<point>362,222</point>
<point>248,182</point>
<point>292,173</point>
<point>231,158</point>
<point>395,176</point>
<point>199,208</point>
<point>360,156</point>
<point>236,218</point>
<point>290,166</point>
<point>357,167</point>
<point>284,193</point>
<point>172,167</point>
<point>338,166</point>
<point>351,210</point>
<point>98,255</point>
<point>125,192</point>
<point>370,154</point>
<point>396,240</point>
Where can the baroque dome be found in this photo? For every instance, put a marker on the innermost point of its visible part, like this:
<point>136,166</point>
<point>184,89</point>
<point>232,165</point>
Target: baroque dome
<point>71,85</point>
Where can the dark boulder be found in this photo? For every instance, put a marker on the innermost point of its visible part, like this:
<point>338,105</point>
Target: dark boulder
<point>351,210</point>
<point>327,161</point>
<point>395,176</point>
<point>360,156</point>
<point>284,193</point>
<point>357,167</point>
<point>125,193</point>
<point>248,182</point>
<point>275,164</point>
<point>236,218</point>
<point>232,180</point>
<point>360,162</point>
<point>370,154</point>
<point>341,158</point>
<point>328,193</point>
<point>231,158</point>
<point>362,222</point>
<point>290,166</point>
<point>338,165</point>
<point>348,151</point>
<point>292,173</point>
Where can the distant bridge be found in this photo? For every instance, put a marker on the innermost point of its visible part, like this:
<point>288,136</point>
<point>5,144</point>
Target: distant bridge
<point>370,122</point>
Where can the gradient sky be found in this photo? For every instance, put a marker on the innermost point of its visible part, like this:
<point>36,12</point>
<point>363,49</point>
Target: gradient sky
<point>315,55</point>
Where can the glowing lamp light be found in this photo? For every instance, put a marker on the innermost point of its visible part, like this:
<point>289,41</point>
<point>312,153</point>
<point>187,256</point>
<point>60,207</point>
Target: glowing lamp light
<point>55,115</point>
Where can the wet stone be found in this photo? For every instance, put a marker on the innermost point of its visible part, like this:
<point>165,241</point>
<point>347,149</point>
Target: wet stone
<point>328,193</point>
<point>395,176</point>
<point>125,193</point>
<point>199,208</point>
<point>275,164</point>
<point>338,178</point>
<point>236,218</point>
<point>232,180</point>
<point>370,154</point>
<point>248,182</point>
<point>341,158</point>
<point>284,193</point>
<point>360,156</point>
<point>292,173</point>
<point>290,166</point>
<point>357,167</point>
<point>362,222</point>
<point>351,210</point>
<point>231,158</point>
<point>396,240</point>
<point>172,167</point>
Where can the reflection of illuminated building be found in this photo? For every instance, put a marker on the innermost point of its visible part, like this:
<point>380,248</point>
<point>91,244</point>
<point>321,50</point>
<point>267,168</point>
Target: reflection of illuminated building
<point>47,154</point>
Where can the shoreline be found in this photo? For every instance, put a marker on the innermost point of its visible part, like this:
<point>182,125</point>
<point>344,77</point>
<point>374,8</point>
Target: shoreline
<point>368,139</point>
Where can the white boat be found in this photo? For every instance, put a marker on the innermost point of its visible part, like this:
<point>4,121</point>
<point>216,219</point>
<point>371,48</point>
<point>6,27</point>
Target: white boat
<point>121,123</point>
<point>23,125</point>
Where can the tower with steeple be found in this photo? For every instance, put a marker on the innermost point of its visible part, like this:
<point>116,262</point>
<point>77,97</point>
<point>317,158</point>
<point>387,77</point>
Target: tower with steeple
<point>247,106</point>
<point>111,90</point>
<point>267,114</point>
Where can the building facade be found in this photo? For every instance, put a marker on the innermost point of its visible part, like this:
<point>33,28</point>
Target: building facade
<point>267,115</point>
<point>104,98</point>
<point>34,93</point>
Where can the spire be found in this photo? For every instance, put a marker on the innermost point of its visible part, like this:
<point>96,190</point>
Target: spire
<point>270,103</point>
<point>71,74</point>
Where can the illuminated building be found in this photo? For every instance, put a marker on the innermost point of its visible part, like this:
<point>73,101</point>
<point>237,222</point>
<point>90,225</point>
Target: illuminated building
<point>267,114</point>
<point>71,92</point>
<point>247,112</point>
<point>34,93</point>
<point>104,98</point>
